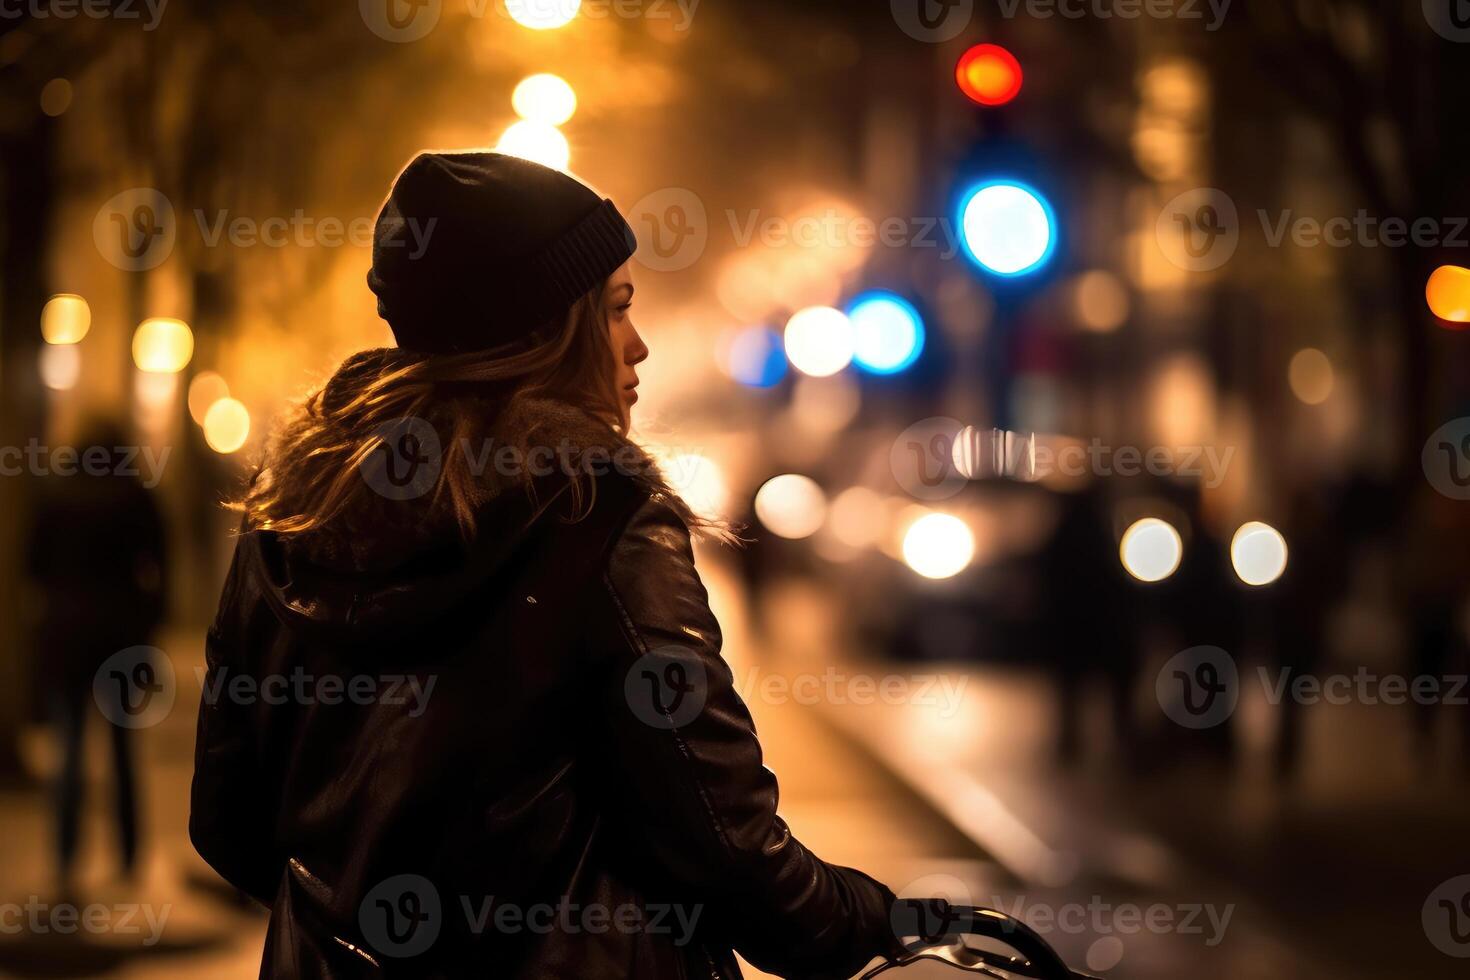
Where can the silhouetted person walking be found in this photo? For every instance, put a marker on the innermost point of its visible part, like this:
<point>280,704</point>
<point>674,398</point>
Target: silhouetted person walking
<point>97,559</point>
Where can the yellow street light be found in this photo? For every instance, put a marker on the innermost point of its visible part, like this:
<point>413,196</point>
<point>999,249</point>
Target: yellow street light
<point>65,319</point>
<point>538,142</point>
<point>226,426</point>
<point>545,99</point>
<point>163,345</point>
<point>543,15</point>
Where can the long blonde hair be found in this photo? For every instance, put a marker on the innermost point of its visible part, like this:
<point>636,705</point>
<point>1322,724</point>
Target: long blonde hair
<point>310,478</point>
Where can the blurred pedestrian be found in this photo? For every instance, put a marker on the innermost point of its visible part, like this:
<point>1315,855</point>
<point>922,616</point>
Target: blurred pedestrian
<point>1436,597</point>
<point>1090,620</point>
<point>96,558</point>
<point>1203,605</point>
<point>1299,607</point>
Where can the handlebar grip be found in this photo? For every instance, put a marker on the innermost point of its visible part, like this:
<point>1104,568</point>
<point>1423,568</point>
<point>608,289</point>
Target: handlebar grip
<point>934,922</point>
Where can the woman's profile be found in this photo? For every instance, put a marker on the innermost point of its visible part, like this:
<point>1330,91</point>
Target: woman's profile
<point>465,711</point>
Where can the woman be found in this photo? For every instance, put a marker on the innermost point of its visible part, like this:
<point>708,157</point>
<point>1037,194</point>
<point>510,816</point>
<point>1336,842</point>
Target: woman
<point>465,712</point>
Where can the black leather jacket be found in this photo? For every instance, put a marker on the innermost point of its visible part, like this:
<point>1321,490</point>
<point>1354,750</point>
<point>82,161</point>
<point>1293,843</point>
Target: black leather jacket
<point>449,761</point>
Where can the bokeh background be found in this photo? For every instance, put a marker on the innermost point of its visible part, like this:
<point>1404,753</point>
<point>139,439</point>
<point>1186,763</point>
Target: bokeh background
<point>1057,357</point>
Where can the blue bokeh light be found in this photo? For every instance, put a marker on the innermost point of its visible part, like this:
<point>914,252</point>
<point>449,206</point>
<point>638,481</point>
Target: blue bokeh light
<point>758,358</point>
<point>888,332</point>
<point>1007,228</point>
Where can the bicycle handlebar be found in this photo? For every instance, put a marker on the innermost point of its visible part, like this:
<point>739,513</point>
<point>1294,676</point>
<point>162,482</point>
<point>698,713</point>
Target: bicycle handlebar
<point>934,929</point>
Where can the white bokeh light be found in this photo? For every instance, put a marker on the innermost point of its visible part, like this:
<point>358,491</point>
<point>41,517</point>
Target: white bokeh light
<point>1258,552</point>
<point>791,506</point>
<point>60,366</point>
<point>819,341</point>
<point>938,546</point>
<point>1151,550</point>
<point>1007,229</point>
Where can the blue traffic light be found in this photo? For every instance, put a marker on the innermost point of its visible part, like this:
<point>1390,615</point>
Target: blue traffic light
<point>1008,228</point>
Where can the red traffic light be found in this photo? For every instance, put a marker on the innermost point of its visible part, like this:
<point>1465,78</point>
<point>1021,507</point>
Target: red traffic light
<point>989,74</point>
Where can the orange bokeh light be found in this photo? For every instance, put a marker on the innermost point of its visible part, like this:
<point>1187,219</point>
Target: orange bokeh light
<point>989,74</point>
<point>1448,293</point>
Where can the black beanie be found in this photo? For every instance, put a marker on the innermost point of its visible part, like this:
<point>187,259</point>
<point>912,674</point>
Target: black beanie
<point>474,251</point>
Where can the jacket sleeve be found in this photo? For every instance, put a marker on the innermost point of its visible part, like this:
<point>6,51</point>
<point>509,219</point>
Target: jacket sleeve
<point>689,768</point>
<point>231,808</point>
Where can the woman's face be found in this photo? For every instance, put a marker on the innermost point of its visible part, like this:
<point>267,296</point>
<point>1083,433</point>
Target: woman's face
<point>628,348</point>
